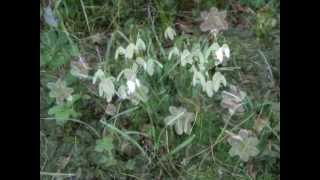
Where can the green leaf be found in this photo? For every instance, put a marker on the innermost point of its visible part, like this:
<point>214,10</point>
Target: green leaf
<point>182,145</point>
<point>130,165</point>
<point>55,49</point>
<point>104,144</point>
<point>74,98</point>
<point>244,146</point>
<point>60,91</point>
<point>126,137</point>
<point>62,113</point>
<point>217,80</point>
<point>158,63</point>
<point>180,119</point>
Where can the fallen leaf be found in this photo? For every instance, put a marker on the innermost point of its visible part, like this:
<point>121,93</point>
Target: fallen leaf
<point>111,109</point>
<point>60,91</point>
<point>260,123</point>
<point>213,20</point>
<point>79,68</point>
<point>243,145</point>
<point>180,119</point>
<point>251,171</point>
<point>232,100</point>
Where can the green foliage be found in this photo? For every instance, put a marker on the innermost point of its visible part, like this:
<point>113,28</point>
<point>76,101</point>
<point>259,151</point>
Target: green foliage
<point>255,3</point>
<point>104,144</point>
<point>55,49</point>
<point>265,22</point>
<point>62,113</point>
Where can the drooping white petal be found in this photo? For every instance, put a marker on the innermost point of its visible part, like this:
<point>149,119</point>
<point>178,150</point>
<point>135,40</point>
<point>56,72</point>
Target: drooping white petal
<point>219,54</point>
<point>70,98</point>
<point>137,82</point>
<point>140,44</point>
<point>131,87</point>
<point>169,33</point>
<point>226,50</point>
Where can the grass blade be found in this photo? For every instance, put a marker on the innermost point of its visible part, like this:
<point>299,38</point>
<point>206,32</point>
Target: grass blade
<point>125,136</point>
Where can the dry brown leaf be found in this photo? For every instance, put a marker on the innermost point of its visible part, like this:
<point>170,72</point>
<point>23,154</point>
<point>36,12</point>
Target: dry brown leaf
<point>232,100</point>
<point>111,109</point>
<point>214,20</point>
<point>259,124</point>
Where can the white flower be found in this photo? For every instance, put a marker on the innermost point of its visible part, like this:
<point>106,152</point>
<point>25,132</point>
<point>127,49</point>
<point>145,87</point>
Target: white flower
<point>219,55</point>
<point>221,52</point>
<point>169,33</point>
<point>70,98</point>
<point>132,85</point>
<point>137,82</point>
<point>122,92</point>
<point>226,50</point>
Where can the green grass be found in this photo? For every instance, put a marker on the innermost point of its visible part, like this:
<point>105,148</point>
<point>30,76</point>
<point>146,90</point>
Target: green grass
<point>143,146</point>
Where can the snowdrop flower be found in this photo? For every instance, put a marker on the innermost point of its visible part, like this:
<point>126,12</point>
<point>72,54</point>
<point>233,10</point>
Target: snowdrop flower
<point>70,98</point>
<point>226,50</point>
<point>219,55</point>
<point>170,33</point>
<point>132,85</point>
<point>137,82</point>
<point>221,52</point>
